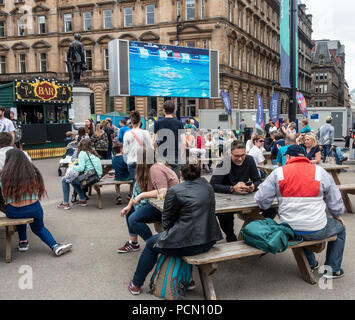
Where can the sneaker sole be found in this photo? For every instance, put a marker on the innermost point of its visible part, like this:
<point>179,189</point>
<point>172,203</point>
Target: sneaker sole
<point>123,251</point>
<point>22,249</point>
<point>64,250</point>
<point>333,277</point>
<point>83,204</point>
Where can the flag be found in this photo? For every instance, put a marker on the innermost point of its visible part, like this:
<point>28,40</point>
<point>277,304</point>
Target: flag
<point>227,104</point>
<point>259,125</point>
<point>285,43</point>
<point>302,103</point>
<point>274,108</point>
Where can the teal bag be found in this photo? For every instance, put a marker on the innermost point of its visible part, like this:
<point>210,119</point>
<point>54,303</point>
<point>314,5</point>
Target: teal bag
<point>269,236</point>
<point>171,278</point>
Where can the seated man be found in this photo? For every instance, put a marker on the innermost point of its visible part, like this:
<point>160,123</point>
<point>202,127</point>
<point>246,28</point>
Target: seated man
<point>243,169</point>
<point>304,191</point>
<point>290,140</point>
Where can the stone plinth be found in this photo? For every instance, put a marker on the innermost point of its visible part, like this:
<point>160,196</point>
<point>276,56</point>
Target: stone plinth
<point>81,104</point>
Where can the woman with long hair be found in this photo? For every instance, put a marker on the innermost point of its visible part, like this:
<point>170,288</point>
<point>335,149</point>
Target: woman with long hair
<point>189,222</point>
<point>88,159</point>
<point>100,141</point>
<point>22,189</point>
<point>153,179</point>
<point>89,127</point>
<point>311,148</point>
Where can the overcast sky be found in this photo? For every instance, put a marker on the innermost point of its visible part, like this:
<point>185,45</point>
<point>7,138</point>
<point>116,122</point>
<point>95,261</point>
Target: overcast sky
<point>335,20</point>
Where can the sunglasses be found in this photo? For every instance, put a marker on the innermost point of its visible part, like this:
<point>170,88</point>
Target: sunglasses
<point>261,141</point>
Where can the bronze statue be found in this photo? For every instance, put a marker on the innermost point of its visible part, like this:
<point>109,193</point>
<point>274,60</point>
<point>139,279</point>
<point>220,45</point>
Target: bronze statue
<point>76,61</point>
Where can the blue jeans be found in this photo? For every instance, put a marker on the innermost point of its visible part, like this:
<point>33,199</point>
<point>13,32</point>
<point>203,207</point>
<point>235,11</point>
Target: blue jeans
<point>132,171</point>
<point>66,189</point>
<point>338,155</point>
<point>325,151</point>
<point>109,152</point>
<point>150,254</point>
<point>136,221</point>
<point>335,249</point>
<point>34,211</point>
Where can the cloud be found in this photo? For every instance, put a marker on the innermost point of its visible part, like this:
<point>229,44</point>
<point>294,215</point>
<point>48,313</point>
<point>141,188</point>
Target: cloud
<point>335,21</point>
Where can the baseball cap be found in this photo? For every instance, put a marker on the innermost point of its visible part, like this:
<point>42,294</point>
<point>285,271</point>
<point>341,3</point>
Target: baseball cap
<point>295,151</point>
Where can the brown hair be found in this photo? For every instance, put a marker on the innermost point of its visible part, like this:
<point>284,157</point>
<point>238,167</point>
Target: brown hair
<point>117,147</point>
<point>99,130</point>
<point>256,138</point>
<point>89,129</point>
<point>142,170</point>
<point>85,145</point>
<point>135,117</point>
<point>169,107</point>
<point>190,172</point>
<point>20,177</point>
<point>305,121</point>
<point>5,139</point>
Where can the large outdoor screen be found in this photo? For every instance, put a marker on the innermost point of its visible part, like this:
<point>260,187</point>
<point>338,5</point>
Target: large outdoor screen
<point>157,70</point>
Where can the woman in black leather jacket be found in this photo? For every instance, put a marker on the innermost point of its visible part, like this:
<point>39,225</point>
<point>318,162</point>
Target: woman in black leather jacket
<point>189,221</point>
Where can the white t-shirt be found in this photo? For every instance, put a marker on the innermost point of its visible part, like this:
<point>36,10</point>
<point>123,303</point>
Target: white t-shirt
<point>248,146</point>
<point>272,129</point>
<point>131,145</point>
<point>6,125</point>
<point>257,154</point>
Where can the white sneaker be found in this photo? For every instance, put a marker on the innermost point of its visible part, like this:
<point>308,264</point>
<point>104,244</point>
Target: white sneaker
<point>60,249</point>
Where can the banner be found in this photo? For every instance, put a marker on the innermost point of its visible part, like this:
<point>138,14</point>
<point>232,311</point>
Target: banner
<point>285,43</point>
<point>259,125</point>
<point>295,22</point>
<point>227,104</point>
<point>302,103</point>
<point>274,108</point>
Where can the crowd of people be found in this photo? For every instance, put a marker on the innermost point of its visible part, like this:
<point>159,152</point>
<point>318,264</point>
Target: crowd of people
<point>189,221</point>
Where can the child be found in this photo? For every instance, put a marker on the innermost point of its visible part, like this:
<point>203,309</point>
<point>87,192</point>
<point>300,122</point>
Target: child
<point>121,169</point>
<point>347,141</point>
<point>22,189</point>
<point>69,137</point>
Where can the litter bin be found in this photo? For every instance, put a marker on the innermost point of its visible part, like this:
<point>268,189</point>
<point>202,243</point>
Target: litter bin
<point>247,134</point>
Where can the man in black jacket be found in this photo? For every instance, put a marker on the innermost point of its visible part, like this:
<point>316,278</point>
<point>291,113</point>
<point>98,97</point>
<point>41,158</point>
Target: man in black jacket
<point>243,170</point>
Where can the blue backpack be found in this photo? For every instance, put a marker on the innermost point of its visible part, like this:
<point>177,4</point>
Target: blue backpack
<point>171,278</point>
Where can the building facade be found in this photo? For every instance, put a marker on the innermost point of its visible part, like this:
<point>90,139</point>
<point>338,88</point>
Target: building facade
<point>328,69</point>
<point>35,35</point>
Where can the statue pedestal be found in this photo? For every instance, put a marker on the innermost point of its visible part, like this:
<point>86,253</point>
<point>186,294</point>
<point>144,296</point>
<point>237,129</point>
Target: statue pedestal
<point>81,104</point>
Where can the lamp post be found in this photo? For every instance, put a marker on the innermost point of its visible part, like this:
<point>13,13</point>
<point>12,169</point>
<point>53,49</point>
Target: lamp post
<point>178,30</point>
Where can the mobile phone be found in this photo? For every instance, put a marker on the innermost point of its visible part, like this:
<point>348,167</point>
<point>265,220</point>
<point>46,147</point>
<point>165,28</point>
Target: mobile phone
<point>249,183</point>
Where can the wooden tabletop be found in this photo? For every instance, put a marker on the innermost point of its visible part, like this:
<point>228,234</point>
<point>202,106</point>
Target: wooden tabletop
<point>106,162</point>
<point>225,203</point>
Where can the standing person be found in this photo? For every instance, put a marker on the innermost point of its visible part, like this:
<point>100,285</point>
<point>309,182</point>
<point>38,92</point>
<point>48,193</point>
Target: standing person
<point>291,130</point>
<point>133,140</point>
<point>243,170</point>
<point>220,142</point>
<point>18,130</point>
<point>187,124</point>
<point>88,159</point>
<point>189,221</point>
<point>88,125</point>
<point>267,128</point>
<point>23,202</point>
<point>99,141</point>
<point>176,137</point>
<point>242,126</point>
<point>123,129</point>
<point>347,141</point>
<point>110,133</point>
<point>152,179</point>
<point>210,144</point>
<point>306,128</point>
<point>284,127</point>
<point>325,136</point>
<point>6,125</point>
<point>304,192</point>
<point>273,128</point>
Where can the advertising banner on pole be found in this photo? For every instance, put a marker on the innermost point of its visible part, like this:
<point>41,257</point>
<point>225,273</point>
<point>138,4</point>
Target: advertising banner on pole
<point>285,43</point>
<point>274,109</point>
<point>302,103</point>
<point>259,125</point>
<point>227,104</point>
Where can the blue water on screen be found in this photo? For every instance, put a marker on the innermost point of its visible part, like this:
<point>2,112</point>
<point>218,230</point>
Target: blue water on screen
<point>152,75</point>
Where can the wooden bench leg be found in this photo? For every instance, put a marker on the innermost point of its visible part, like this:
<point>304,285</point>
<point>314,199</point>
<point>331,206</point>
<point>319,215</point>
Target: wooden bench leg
<point>158,227</point>
<point>9,233</point>
<point>99,198</point>
<point>205,272</point>
<point>303,265</point>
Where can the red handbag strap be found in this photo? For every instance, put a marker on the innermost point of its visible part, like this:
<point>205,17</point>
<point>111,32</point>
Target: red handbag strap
<point>135,137</point>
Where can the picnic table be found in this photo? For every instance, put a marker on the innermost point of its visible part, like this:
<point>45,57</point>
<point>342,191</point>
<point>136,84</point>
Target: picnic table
<point>106,166</point>
<point>268,156</point>
<point>334,170</point>
<point>244,206</point>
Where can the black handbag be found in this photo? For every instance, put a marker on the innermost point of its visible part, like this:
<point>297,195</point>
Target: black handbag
<point>89,178</point>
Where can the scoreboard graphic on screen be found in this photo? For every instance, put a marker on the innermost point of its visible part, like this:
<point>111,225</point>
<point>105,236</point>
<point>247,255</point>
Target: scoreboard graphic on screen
<point>157,70</point>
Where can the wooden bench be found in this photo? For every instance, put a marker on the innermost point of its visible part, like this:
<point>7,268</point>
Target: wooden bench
<point>346,189</point>
<point>106,182</point>
<point>10,225</point>
<point>207,262</point>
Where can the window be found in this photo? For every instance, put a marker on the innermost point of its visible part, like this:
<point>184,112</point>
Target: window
<point>178,8</point>
<point>190,44</point>
<point>22,63</point>
<point>190,110</point>
<point>202,9</point>
<point>128,19</point>
<point>240,18</point>
<point>2,29</point>
<point>41,24</point>
<point>43,62</point>
<point>248,24</point>
<point>109,101</point>
<point>261,5</point>
<point>230,56</point>
<point>88,58</point>
<point>149,14</point>
<point>2,64</point>
<point>190,9</point>
<point>204,44</point>
<point>21,27</point>
<point>68,22</point>
<point>107,19</point>
<point>255,65</point>
<point>255,29</point>
<point>230,11</point>
<point>87,20</point>
<point>106,66</point>
<point>239,59</point>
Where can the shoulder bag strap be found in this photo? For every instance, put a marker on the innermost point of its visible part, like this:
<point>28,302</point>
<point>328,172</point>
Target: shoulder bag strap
<point>135,137</point>
<point>91,162</point>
